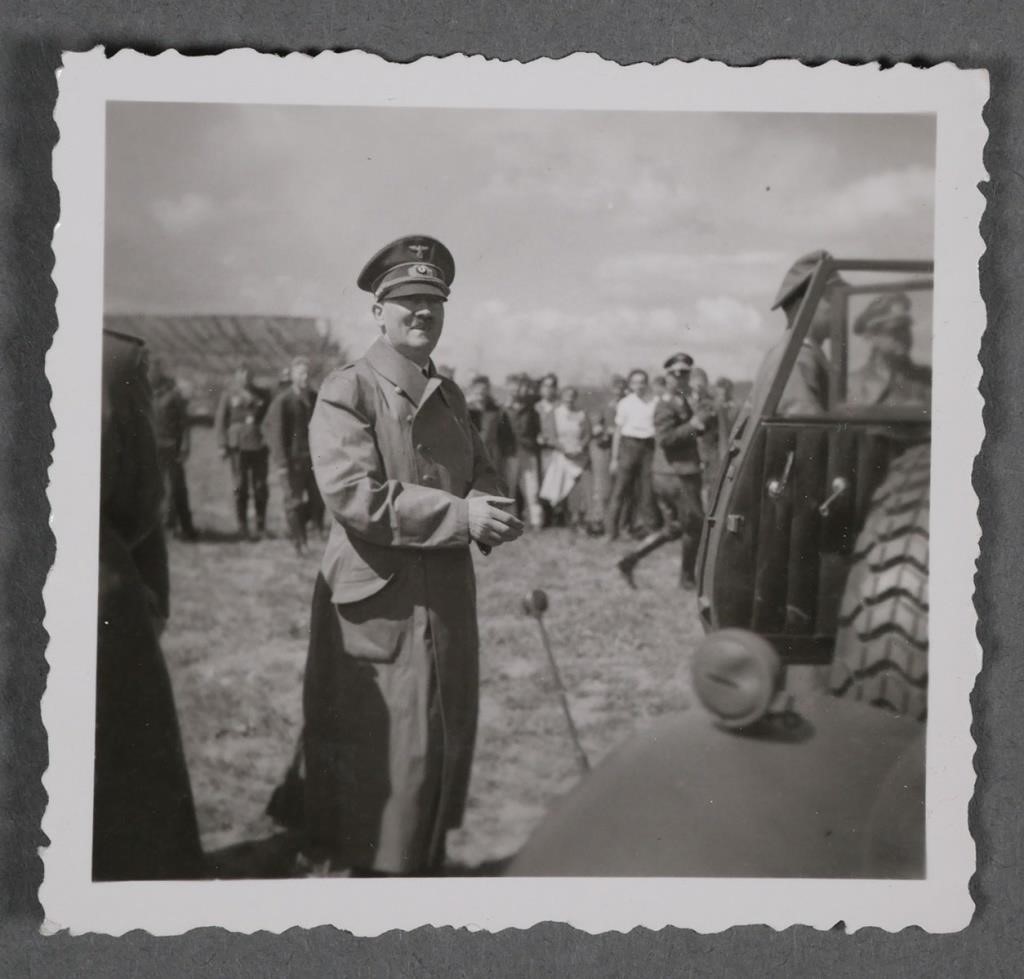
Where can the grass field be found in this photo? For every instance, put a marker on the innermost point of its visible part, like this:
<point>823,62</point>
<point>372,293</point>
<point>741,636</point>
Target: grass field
<point>236,646</point>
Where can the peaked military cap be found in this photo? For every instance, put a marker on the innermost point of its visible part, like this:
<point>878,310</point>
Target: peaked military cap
<point>678,363</point>
<point>799,275</point>
<point>887,313</point>
<point>411,266</point>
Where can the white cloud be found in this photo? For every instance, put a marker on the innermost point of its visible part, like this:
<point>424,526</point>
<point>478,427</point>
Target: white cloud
<point>724,335</point>
<point>675,276</point>
<point>182,214</point>
<point>644,195</point>
<point>902,194</point>
<point>738,319</point>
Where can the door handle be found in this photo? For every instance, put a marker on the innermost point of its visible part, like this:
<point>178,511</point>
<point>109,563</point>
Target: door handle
<point>776,487</point>
<point>839,486</point>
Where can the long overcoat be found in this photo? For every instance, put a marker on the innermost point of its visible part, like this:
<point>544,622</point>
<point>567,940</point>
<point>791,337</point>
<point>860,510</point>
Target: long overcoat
<point>144,822</point>
<point>391,687</point>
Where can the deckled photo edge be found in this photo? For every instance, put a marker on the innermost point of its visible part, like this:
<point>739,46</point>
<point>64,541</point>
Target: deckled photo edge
<point>66,578</point>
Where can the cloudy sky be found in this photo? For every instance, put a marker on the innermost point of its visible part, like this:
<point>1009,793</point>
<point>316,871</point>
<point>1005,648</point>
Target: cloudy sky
<point>585,242</point>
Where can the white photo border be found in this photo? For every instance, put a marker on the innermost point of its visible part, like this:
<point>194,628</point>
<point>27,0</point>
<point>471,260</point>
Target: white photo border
<point>941,902</point>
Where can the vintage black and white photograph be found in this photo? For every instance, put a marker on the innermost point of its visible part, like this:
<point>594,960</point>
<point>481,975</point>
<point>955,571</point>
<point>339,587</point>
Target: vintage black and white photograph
<point>492,487</point>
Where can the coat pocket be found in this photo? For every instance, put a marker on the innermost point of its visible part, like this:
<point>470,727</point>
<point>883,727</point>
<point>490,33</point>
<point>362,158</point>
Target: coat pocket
<point>375,628</point>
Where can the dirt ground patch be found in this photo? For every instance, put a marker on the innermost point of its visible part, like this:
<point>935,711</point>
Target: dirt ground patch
<point>236,647</point>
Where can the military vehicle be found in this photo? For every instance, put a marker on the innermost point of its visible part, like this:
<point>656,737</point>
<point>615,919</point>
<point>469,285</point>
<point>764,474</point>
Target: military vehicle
<point>808,759</point>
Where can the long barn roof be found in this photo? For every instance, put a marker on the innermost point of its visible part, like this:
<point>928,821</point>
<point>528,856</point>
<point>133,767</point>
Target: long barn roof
<point>205,348</point>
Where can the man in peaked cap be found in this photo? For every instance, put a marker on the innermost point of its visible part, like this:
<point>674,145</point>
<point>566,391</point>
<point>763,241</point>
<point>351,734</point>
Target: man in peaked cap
<point>675,473</point>
<point>806,391</point>
<point>391,686</point>
<point>889,376</point>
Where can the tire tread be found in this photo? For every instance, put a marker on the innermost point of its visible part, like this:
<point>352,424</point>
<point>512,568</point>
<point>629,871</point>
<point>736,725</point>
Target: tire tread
<point>881,654</point>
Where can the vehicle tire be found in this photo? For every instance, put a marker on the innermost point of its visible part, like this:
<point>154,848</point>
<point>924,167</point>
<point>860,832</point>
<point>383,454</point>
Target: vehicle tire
<point>881,653</point>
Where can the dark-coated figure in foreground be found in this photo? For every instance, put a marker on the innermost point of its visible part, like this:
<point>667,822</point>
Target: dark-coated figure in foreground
<point>144,823</point>
<point>392,678</point>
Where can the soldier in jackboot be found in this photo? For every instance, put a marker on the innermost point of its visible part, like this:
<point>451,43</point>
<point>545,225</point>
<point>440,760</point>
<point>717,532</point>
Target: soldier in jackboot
<point>239,417</point>
<point>676,474</point>
<point>286,429</point>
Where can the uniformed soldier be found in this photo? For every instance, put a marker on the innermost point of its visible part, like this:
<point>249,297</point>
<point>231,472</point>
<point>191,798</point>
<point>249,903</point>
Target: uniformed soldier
<point>173,439</point>
<point>676,473</point>
<point>144,823</point>
<point>286,430</point>
<point>522,472</point>
<point>491,421</point>
<point>703,404</point>
<point>889,377</point>
<point>728,409</point>
<point>806,391</point>
<point>391,686</point>
<point>239,416</point>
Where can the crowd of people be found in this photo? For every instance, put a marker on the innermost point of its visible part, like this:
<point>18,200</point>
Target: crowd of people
<point>637,465</point>
<point>263,438</point>
<point>614,470</point>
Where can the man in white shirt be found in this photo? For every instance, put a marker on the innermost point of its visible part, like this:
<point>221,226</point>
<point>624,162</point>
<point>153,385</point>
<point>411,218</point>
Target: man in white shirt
<point>632,453</point>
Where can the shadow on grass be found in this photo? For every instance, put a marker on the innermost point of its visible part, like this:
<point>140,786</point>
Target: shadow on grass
<point>274,858</point>
<point>271,858</point>
<point>216,535</point>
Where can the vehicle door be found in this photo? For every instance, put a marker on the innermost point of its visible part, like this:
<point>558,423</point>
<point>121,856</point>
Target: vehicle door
<point>784,516</point>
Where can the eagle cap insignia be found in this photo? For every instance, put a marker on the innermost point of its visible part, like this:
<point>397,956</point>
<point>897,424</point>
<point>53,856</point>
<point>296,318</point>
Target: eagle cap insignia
<point>419,250</point>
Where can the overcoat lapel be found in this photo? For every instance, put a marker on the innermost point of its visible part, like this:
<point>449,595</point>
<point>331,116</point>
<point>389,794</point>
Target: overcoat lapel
<point>403,373</point>
<point>399,370</point>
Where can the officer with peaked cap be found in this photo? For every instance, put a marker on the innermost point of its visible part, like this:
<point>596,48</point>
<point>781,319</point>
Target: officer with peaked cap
<point>889,376</point>
<point>391,686</point>
<point>675,473</point>
<point>806,391</point>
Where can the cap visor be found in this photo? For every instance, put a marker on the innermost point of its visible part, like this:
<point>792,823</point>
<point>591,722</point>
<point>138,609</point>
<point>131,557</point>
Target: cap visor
<point>835,281</point>
<point>415,289</point>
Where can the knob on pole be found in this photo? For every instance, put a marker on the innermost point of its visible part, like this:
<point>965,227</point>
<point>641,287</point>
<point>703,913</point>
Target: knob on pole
<point>535,603</point>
